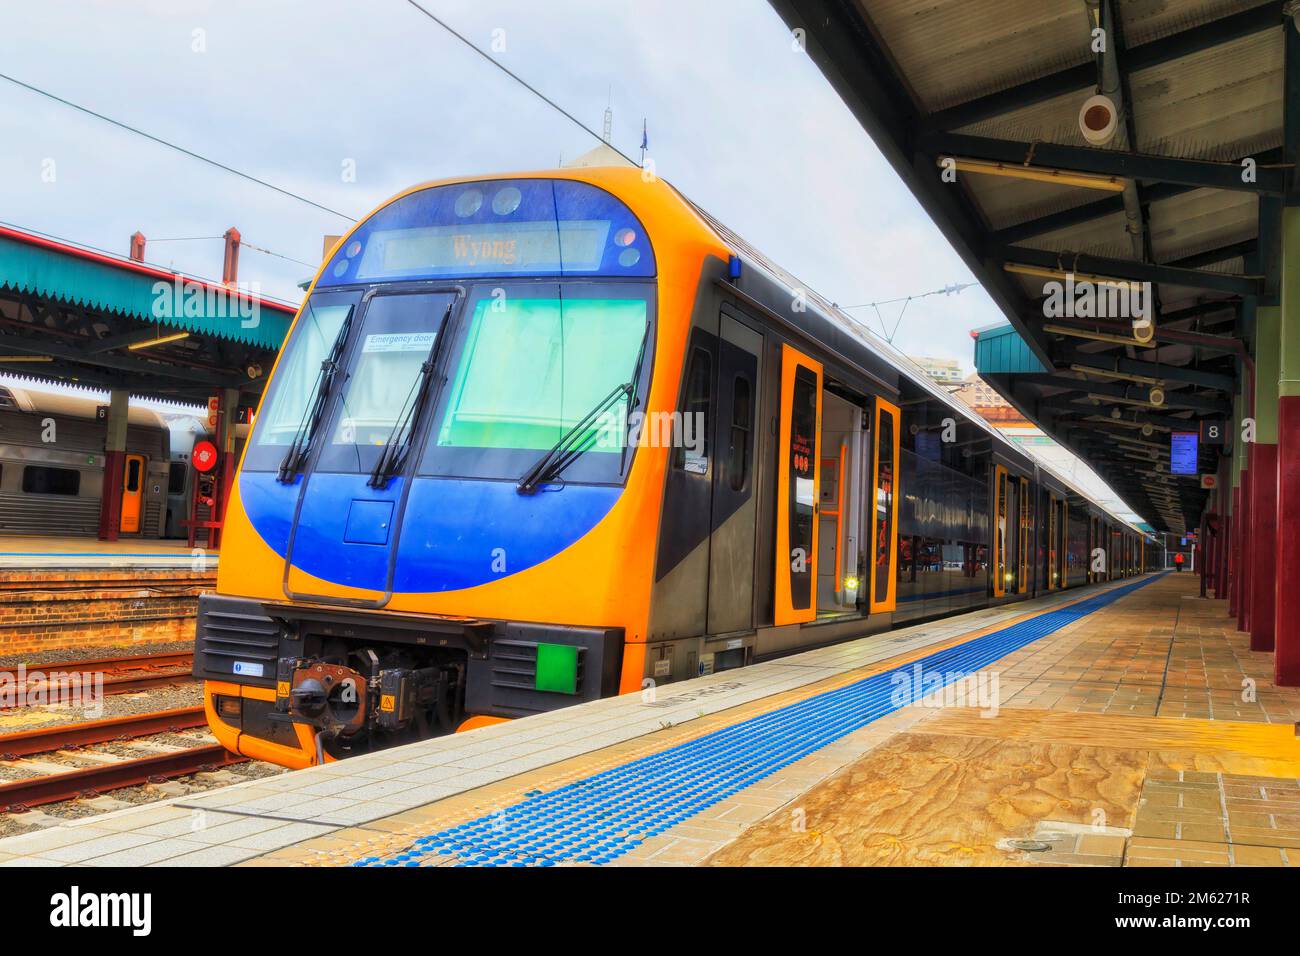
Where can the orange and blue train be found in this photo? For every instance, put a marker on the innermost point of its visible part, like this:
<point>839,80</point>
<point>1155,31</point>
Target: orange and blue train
<point>544,438</point>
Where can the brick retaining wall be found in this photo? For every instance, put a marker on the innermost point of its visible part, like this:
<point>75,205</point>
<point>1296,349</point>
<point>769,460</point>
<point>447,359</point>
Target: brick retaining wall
<point>50,609</point>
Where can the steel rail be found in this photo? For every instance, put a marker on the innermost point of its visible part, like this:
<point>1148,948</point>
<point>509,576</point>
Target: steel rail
<point>19,795</point>
<point>46,739</point>
<point>119,675</point>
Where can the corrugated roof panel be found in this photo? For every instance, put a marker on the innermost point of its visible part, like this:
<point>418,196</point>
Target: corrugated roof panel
<point>1202,220</point>
<point>1005,201</point>
<point>1103,236</point>
<point>1221,103</point>
<point>952,51</point>
<point>1147,20</point>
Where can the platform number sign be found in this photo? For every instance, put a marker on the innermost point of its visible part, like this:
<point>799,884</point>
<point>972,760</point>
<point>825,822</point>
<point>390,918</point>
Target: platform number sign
<point>1214,431</point>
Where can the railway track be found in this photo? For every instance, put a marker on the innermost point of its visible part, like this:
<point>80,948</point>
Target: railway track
<point>113,771</point>
<point>121,675</point>
<point>44,740</point>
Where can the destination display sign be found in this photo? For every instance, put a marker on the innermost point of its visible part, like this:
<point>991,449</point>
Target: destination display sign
<point>487,248</point>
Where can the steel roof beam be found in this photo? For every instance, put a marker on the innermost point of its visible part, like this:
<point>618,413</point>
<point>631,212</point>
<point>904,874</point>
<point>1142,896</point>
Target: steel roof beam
<point>1138,393</point>
<point>1202,37</point>
<point>1066,407</point>
<point>1173,373</point>
<point>14,343</point>
<point>1201,173</point>
<point>1098,209</point>
<point>1129,269</point>
<point>1236,250</point>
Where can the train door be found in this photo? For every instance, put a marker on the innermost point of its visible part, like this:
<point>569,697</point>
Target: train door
<point>798,474</point>
<point>1060,542</point>
<point>1049,578</point>
<point>1010,536</point>
<point>1026,538</point>
<point>731,551</point>
<point>884,510</point>
<point>350,499</point>
<point>1092,547</point>
<point>132,494</point>
<point>839,511</point>
<point>1001,526</point>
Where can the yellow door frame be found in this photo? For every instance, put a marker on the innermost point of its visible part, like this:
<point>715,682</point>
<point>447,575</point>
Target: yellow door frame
<point>783,610</point>
<point>891,588</point>
<point>999,530</point>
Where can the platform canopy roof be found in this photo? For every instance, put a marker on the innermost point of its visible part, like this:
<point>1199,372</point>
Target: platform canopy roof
<point>77,315</point>
<point>977,105</point>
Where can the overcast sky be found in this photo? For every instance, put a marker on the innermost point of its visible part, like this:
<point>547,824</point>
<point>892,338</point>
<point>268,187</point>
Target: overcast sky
<point>288,90</point>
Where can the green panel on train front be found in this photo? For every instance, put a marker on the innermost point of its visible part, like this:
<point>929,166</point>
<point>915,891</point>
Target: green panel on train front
<point>557,668</point>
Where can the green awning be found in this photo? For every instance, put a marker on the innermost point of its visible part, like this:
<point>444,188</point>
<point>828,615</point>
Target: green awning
<point>1001,351</point>
<point>175,301</point>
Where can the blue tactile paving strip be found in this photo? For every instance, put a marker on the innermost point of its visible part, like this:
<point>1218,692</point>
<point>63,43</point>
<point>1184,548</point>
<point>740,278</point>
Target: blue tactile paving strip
<point>599,818</point>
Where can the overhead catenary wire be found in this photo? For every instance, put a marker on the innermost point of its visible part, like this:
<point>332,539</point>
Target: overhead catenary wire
<point>244,244</point>
<point>278,255</point>
<point>175,146</point>
<point>950,289</point>
<point>522,82</point>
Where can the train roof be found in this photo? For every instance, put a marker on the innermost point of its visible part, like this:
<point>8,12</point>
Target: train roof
<point>72,405</point>
<point>839,323</point>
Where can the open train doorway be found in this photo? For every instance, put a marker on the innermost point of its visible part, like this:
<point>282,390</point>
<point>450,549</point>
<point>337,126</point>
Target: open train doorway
<point>839,512</point>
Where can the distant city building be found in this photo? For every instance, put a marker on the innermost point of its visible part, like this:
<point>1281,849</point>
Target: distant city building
<point>977,393</point>
<point>943,371</point>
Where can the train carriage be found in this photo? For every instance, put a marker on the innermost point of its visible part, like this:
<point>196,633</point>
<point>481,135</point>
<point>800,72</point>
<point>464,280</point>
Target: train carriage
<point>52,463</point>
<point>544,438</point>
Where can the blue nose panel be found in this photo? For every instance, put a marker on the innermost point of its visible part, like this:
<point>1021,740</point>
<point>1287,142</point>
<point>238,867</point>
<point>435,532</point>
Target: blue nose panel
<point>369,522</point>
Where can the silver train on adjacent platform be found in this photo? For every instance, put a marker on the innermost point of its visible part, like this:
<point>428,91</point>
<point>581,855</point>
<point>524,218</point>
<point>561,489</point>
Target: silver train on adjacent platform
<point>52,466</point>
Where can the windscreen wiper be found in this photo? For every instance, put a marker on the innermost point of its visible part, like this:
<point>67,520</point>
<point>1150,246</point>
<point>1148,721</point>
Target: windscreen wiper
<point>569,447</point>
<point>293,459</point>
<point>633,399</point>
<point>398,444</point>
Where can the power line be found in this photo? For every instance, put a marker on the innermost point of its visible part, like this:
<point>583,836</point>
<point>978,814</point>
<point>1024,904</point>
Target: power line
<point>951,289</point>
<point>245,244</point>
<point>278,255</point>
<point>522,82</point>
<point>946,290</point>
<point>180,149</point>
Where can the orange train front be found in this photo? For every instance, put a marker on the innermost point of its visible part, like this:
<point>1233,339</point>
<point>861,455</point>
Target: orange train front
<point>541,439</point>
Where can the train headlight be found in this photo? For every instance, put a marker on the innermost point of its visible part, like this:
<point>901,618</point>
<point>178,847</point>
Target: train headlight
<point>228,708</point>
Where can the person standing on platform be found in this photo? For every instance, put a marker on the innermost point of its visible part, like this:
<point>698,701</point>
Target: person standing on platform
<point>1178,561</point>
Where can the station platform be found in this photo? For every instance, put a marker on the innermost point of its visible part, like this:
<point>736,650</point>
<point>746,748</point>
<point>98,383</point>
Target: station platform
<point>22,552</point>
<point>1121,725</point>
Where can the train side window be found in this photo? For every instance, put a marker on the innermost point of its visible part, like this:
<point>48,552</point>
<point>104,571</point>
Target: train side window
<point>176,478</point>
<point>133,475</point>
<point>695,420</point>
<point>741,412</point>
<point>42,480</point>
